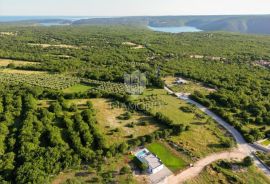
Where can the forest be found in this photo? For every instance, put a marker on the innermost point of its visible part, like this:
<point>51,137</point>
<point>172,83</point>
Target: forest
<point>37,142</point>
<point>33,143</point>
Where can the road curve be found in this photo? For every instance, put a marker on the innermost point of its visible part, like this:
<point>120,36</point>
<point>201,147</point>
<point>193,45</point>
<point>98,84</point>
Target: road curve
<point>243,148</point>
<point>199,166</point>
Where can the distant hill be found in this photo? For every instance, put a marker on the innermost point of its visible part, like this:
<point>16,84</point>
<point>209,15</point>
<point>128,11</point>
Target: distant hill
<point>258,24</point>
<point>31,22</point>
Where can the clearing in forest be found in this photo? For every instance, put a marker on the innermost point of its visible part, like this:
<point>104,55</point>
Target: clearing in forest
<point>78,88</point>
<point>51,45</point>
<point>15,71</point>
<point>119,125</point>
<point>204,135</point>
<point>8,34</point>
<point>187,86</point>
<point>6,62</point>
<point>133,45</point>
<point>113,164</point>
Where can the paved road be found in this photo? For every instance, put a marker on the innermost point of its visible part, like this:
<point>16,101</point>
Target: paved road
<point>243,148</point>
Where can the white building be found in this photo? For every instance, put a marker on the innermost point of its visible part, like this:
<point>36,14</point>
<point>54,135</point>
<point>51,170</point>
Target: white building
<point>181,81</point>
<point>153,162</point>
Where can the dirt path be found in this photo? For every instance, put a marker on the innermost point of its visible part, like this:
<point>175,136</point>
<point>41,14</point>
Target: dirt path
<point>199,166</point>
<point>243,148</point>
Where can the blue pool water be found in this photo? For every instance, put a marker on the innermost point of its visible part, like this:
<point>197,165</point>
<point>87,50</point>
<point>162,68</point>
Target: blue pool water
<point>141,154</point>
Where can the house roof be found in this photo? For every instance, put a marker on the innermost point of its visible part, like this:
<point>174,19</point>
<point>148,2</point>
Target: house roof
<point>150,159</point>
<point>153,161</point>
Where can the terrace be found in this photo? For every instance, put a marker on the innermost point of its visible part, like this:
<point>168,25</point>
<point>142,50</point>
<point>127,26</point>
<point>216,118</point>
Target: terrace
<point>153,162</point>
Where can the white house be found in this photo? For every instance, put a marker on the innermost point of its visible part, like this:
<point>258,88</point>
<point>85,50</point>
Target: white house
<point>153,162</point>
<point>181,81</point>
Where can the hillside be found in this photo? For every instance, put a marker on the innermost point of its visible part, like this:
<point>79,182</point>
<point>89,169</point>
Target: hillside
<point>254,24</point>
<point>259,24</point>
<point>66,115</point>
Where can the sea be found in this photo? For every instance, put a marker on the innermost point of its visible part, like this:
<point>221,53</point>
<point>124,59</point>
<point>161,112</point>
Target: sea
<point>25,18</point>
<point>180,29</point>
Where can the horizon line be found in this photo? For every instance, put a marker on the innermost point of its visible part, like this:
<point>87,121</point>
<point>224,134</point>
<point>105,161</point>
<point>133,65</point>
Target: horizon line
<point>135,15</point>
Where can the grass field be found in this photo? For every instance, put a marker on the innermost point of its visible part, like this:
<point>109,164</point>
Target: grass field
<point>266,142</point>
<point>169,157</point>
<point>117,130</point>
<point>190,87</point>
<point>204,136</point>
<point>81,103</point>
<point>50,45</point>
<point>79,88</point>
<point>6,62</point>
<point>22,71</point>
<point>45,103</point>
<point>169,106</point>
<point>113,165</point>
<point>250,175</point>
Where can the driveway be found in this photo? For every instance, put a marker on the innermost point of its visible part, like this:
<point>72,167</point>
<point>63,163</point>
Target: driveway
<point>161,176</point>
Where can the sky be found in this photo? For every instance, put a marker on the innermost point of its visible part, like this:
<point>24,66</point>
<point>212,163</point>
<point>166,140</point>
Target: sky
<point>132,7</point>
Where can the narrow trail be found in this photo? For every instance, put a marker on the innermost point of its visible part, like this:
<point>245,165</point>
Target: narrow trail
<point>242,150</point>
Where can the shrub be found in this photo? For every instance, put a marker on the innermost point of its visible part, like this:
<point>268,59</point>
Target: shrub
<point>227,142</point>
<point>187,128</point>
<point>11,65</point>
<point>187,109</point>
<point>143,167</point>
<point>248,161</point>
<point>125,116</point>
<point>123,147</point>
<point>125,170</point>
<point>178,129</point>
<point>131,125</point>
<point>73,108</point>
<point>143,123</point>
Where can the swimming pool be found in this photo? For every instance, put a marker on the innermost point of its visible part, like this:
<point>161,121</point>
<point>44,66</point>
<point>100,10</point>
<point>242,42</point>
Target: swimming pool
<point>141,154</point>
